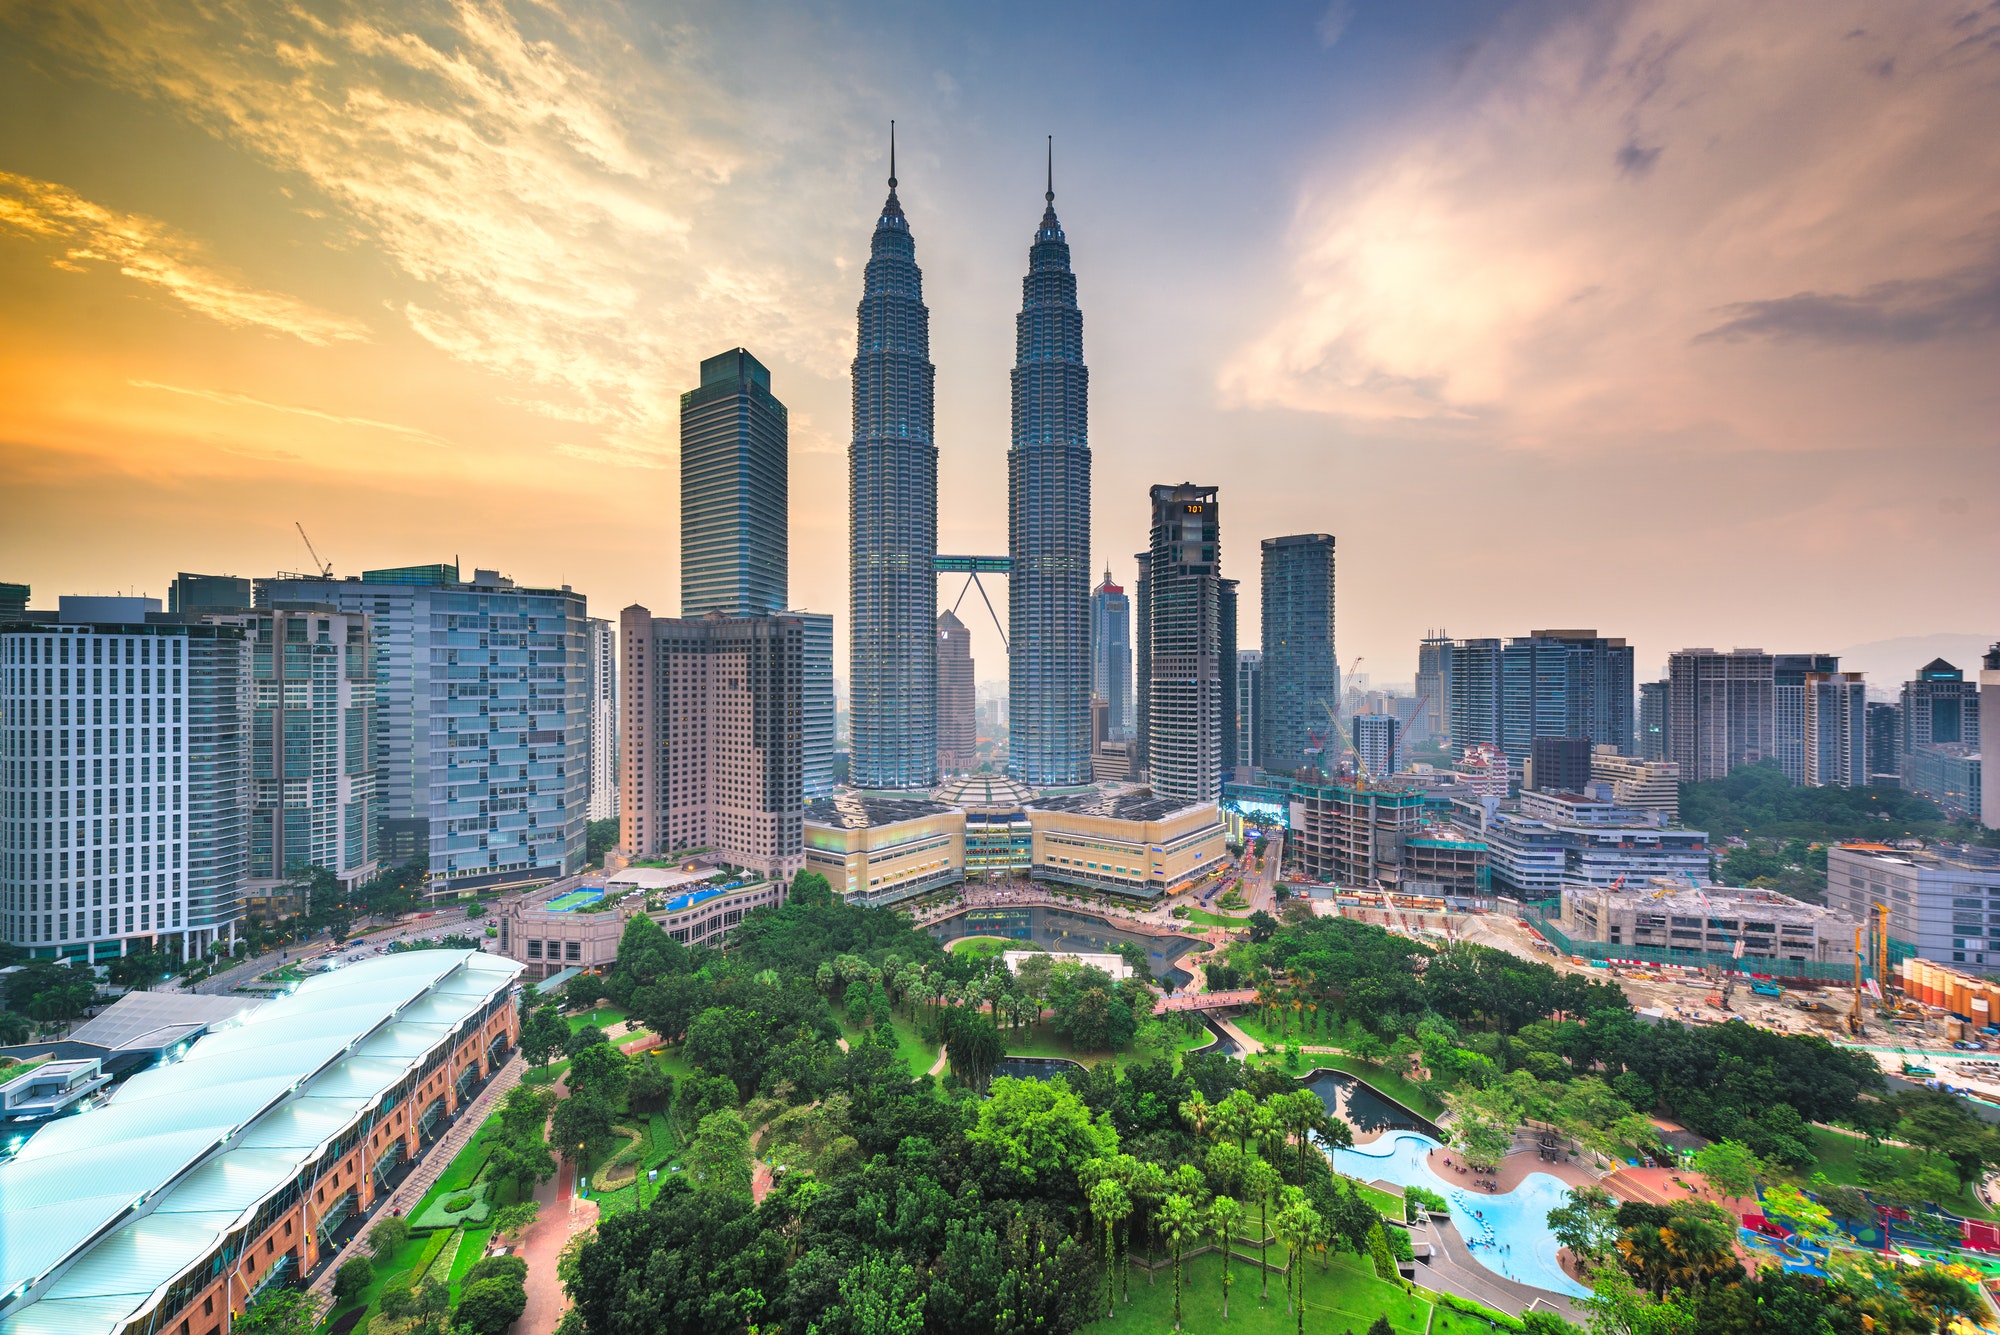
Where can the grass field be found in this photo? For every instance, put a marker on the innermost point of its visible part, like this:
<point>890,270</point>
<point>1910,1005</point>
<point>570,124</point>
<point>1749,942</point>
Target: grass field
<point>603,1017</point>
<point>1342,1294</point>
<point>1203,918</point>
<point>1835,1154</point>
<point>920,1056</point>
<point>545,1075</point>
<point>981,947</point>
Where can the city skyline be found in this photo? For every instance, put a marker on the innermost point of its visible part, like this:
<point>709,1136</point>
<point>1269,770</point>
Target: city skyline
<point>217,323</point>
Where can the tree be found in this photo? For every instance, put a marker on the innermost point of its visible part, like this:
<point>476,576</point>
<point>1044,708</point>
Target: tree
<point>282,1312</point>
<point>602,1070</point>
<point>348,1282</point>
<point>882,1295</point>
<point>386,1236</point>
<point>523,1162</point>
<point>1939,1296</point>
<point>1039,1131</point>
<point>974,1047</point>
<point>525,1111</point>
<point>1729,1166</point>
<point>650,1088</point>
<point>581,1120</point>
<point>1225,1217</point>
<point>489,1306</point>
<point>1260,1184</point>
<point>1236,1116</point>
<point>1109,1205</point>
<point>543,1034</point>
<point>1301,1228</point>
<point>1182,1225</point>
<point>718,1157</point>
<point>1586,1223</point>
<point>13,1027</point>
<point>515,1220</point>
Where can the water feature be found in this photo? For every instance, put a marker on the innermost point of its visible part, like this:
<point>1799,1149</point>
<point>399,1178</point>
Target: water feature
<point>1034,1068</point>
<point>1507,1232</point>
<point>1364,1107</point>
<point>1067,929</point>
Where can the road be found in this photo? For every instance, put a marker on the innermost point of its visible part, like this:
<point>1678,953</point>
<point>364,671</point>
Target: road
<point>370,941</point>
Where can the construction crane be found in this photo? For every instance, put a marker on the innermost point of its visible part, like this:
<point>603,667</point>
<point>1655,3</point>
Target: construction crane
<point>1854,1025</point>
<point>325,568</point>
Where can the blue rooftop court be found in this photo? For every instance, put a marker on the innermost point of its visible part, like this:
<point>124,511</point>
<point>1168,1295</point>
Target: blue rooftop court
<point>572,900</point>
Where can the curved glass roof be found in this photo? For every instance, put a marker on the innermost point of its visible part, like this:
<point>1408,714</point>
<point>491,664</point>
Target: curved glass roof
<point>100,1213</point>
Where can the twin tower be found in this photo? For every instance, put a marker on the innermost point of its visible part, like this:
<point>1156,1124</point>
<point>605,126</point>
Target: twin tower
<point>892,542</point>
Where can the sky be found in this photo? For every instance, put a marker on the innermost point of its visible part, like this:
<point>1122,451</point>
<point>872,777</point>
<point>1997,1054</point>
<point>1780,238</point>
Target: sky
<point>1679,319</point>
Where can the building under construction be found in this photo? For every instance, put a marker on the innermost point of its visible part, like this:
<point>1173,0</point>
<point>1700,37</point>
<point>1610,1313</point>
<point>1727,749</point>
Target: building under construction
<point>1666,925</point>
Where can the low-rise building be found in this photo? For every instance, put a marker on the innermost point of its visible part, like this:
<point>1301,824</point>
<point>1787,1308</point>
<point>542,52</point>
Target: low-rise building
<point>50,1090</point>
<point>1137,844</point>
<point>1659,922</point>
<point>1943,900</point>
<point>882,850</point>
<point>1447,862</point>
<point>1639,785</point>
<point>579,926</point>
<point>1599,844</point>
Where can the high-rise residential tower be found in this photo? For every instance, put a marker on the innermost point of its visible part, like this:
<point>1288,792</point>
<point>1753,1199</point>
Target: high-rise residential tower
<point>734,491</point>
<point>1989,706</point>
<point>1182,598</point>
<point>1885,744</point>
<point>1652,720</point>
<point>1789,673</point>
<point>958,718</point>
<point>1249,699</point>
<point>1475,712</point>
<point>1836,730</point>
<point>1433,718</point>
<point>892,519</point>
<point>818,705</point>
<point>1111,655</point>
<point>1719,711</point>
<point>1375,753</point>
<point>1301,671</point>
<point>1048,522</point>
<point>1142,657</point>
<point>1565,683</point>
<point>603,725</point>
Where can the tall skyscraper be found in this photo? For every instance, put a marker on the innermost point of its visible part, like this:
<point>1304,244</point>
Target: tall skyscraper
<point>1048,522</point>
<point>1433,718</point>
<point>1233,753</point>
<point>1836,730</point>
<point>1653,720</point>
<point>1989,708</point>
<point>892,519</point>
<point>1249,699</point>
<point>147,723</point>
<point>713,750</point>
<point>1718,711</point>
<point>1788,709</point>
<point>1142,655</point>
<point>1301,672</point>
<point>1181,598</point>
<point>958,705</point>
<point>1475,693</point>
<point>735,517</point>
<point>312,743</point>
<point>1939,707</point>
<point>1885,744</point>
<point>818,708</point>
<point>482,755</point>
<point>1111,655</point>
<point>603,725</point>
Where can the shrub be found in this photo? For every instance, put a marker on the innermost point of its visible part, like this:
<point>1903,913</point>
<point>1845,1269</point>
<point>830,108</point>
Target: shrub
<point>348,1281</point>
<point>462,1201</point>
<point>490,1306</point>
<point>495,1267</point>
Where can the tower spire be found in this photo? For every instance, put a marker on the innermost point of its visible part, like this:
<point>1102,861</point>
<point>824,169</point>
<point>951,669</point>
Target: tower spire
<point>892,154</point>
<point>1051,195</point>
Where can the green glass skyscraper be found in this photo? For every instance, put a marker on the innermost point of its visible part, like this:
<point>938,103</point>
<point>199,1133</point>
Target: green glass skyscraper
<point>734,491</point>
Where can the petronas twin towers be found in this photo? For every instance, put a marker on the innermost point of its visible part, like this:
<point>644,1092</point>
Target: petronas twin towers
<point>892,536</point>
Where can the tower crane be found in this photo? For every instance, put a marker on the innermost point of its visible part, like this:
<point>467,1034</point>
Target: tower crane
<point>325,568</point>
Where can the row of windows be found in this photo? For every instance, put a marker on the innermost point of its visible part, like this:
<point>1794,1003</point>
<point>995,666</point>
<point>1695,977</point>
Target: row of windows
<point>45,649</point>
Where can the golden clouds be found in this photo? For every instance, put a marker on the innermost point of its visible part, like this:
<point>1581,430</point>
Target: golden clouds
<point>148,251</point>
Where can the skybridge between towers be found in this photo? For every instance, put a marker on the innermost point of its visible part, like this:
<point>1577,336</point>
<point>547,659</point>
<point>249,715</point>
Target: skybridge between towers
<point>972,567</point>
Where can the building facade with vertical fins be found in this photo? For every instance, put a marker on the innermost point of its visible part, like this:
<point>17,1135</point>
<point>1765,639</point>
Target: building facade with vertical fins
<point>958,721</point>
<point>1301,672</point>
<point>1048,523</point>
<point>603,724</point>
<point>1182,606</point>
<point>735,493</point>
<point>1111,656</point>
<point>892,520</point>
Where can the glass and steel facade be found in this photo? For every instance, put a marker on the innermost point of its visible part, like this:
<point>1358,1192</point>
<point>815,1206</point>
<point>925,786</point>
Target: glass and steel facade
<point>1048,524</point>
<point>1301,686</point>
<point>1182,611</point>
<point>1111,654</point>
<point>735,517</point>
<point>892,521</point>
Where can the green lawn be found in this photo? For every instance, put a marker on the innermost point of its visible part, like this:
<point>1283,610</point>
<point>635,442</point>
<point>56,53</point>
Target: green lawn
<point>918,1054</point>
<point>659,1147</point>
<point>1342,1294</point>
<point>1835,1154</point>
<point>1203,918</point>
<point>545,1075</point>
<point>471,1247</point>
<point>985,947</point>
<point>603,1017</point>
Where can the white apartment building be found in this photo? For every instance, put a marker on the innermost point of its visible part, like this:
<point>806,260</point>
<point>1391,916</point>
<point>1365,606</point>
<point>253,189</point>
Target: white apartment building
<point>603,639</point>
<point>1639,785</point>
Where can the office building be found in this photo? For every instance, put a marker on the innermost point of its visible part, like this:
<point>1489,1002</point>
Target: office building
<point>1111,654</point>
<point>1225,666</point>
<point>1475,693</point>
<point>602,726</point>
<point>1048,522</point>
<point>1836,730</point>
<point>13,602</point>
<point>712,718</point>
<point>1639,785</point>
<point>1351,833</point>
<point>958,723</point>
<point>1662,922</point>
<point>192,595</point>
<point>892,520</point>
<point>1556,840</point>
<point>1301,674</point>
<point>1885,744</point>
<point>1558,765</point>
<point>1989,706</point>
<point>1110,759</point>
<point>1943,900</point>
<point>312,745</point>
<point>1718,711</point>
<point>1181,607</point>
<point>1939,706</point>
<point>1249,699</point>
<point>229,1172</point>
<point>482,696</point>
<point>1141,845</point>
<point>1142,658</point>
<point>1432,720</point>
<point>1788,708</point>
<point>1565,683</point>
<point>1949,774</point>
<point>1376,752</point>
<point>125,786</point>
<point>735,519</point>
<point>878,851</point>
<point>1652,720</point>
<point>819,709</point>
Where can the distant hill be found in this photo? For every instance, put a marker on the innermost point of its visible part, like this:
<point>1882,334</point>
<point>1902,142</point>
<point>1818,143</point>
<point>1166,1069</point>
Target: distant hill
<point>1890,663</point>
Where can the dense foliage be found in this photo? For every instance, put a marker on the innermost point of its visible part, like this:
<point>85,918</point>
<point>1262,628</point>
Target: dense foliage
<point>1759,800</point>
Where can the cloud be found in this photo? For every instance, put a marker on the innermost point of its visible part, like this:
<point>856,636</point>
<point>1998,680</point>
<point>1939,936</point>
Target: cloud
<point>1333,23</point>
<point>234,400</point>
<point>148,251</point>
<point>1664,221</point>
<point>573,198</point>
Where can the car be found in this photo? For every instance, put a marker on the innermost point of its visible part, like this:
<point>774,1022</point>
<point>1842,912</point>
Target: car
<point>1967,1045</point>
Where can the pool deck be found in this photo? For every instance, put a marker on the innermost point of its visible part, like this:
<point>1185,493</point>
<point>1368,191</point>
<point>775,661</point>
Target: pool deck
<point>1514,1169</point>
<point>1452,1269</point>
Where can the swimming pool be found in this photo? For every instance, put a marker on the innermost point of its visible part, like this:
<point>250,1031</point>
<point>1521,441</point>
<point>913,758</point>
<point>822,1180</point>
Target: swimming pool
<point>1516,1221</point>
<point>691,898</point>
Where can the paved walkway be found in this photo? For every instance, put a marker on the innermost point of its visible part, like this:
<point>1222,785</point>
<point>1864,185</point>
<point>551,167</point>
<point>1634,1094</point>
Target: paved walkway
<point>1452,1269</point>
<point>563,1216</point>
<point>1514,1169</point>
<point>1204,1001</point>
<point>441,1152</point>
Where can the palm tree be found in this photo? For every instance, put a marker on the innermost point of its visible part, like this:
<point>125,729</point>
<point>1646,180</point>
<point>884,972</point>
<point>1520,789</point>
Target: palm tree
<point>1225,1216</point>
<point>1195,1112</point>
<point>1236,1116</point>
<point>1148,1188</point>
<point>1289,1222</point>
<point>1124,1169</point>
<point>1300,1228</point>
<point>1183,1226</point>
<point>1939,1296</point>
<point>1261,1183</point>
<point>1109,1205</point>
